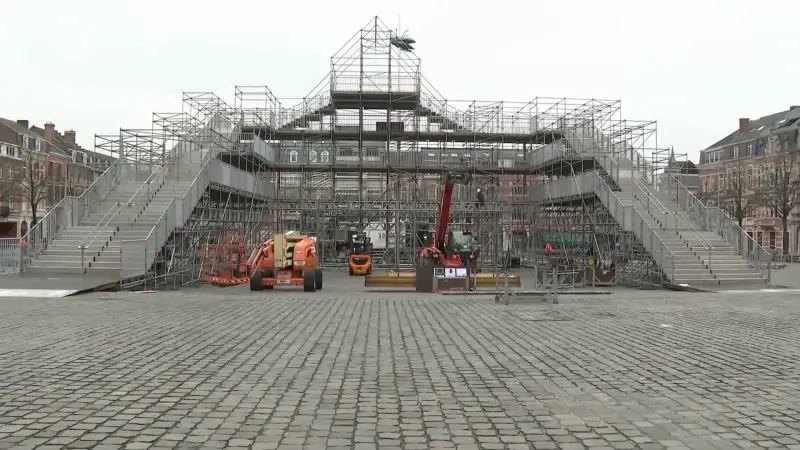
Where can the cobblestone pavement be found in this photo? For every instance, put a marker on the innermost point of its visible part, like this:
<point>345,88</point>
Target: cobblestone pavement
<point>228,369</point>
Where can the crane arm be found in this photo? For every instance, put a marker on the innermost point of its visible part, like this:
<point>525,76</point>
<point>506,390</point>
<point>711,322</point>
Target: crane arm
<point>444,213</point>
<point>450,179</point>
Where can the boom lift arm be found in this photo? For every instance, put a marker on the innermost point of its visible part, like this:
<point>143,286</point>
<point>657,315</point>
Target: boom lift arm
<point>450,180</point>
<point>449,249</point>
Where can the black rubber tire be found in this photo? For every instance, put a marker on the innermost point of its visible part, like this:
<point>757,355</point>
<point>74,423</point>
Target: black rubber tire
<point>269,273</point>
<point>318,279</point>
<point>309,282</point>
<point>255,281</point>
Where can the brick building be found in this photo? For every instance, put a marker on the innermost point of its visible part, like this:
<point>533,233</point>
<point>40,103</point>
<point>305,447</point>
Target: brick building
<point>747,156</point>
<point>63,168</point>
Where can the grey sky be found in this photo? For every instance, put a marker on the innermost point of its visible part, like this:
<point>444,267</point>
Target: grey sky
<point>694,66</point>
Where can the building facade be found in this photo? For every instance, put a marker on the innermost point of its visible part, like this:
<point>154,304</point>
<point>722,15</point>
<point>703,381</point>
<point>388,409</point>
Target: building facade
<point>743,165</point>
<point>61,167</point>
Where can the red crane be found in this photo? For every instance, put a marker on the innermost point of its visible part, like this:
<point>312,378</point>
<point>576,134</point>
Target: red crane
<point>450,248</point>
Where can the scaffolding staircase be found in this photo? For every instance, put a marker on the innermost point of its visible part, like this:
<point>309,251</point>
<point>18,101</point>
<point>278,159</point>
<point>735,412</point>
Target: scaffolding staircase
<point>124,219</point>
<point>85,239</point>
<point>686,246</point>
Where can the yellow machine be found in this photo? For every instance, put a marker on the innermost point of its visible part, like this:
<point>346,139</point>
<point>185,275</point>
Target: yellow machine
<point>400,280</point>
<point>288,259</point>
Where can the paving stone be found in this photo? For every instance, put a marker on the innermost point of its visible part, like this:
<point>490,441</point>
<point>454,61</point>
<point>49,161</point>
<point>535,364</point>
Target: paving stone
<point>347,369</point>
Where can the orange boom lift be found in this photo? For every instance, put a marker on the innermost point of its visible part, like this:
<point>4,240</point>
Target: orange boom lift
<point>288,259</point>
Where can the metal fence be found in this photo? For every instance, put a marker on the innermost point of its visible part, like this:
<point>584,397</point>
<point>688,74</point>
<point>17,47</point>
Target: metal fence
<point>10,255</point>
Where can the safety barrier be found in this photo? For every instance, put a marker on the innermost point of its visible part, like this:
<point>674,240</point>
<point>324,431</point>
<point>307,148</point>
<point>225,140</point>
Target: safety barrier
<point>10,255</point>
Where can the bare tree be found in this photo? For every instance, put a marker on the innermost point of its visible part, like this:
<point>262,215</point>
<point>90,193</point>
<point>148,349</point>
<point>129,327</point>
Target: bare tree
<point>77,178</point>
<point>781,192</point>
<point>33,182</point>
<point>738,195</point>
<point>10,180</point>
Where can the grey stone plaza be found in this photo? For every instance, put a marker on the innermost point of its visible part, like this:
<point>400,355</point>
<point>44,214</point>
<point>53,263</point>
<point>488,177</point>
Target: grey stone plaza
<point>226,368</point>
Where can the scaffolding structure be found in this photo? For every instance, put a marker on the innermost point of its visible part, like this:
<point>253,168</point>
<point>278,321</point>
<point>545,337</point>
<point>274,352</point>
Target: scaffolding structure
<point>366,151</point>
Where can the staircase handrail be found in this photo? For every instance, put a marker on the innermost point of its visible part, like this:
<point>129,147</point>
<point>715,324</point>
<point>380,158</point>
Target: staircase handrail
<point>725,221</point>
<point>654,238</point>
<point>143,243</point>
<point>678,214</point>
<point>106,219</point>
<point>94,232</point>
<point>148,182</point>
<point>103,223</point>
<point>207,159</point>
<point>667,257</point>
<point>170,209</point>
<point>643,185</point>
<point>651,197</point>
<point>40,235</point>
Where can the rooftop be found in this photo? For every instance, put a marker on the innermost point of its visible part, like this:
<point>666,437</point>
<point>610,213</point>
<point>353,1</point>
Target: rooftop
<point>784,120</point>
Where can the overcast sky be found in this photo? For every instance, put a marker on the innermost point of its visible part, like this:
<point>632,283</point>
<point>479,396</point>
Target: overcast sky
<point>695,67</point>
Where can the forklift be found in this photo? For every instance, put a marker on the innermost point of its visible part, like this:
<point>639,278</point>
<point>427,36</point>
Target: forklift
<point>360,259</point>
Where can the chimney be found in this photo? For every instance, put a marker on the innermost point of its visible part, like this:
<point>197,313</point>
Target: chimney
<point>49,131</point>
<point>744,124</point>
<point>24,123</point>
<point>69,136</point>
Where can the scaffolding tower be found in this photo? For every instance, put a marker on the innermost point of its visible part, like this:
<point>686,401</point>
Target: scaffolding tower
<point>366,151</point>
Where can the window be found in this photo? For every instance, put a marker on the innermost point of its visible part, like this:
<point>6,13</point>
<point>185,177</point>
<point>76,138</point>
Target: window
<point>312,156</point>
<point>735,151</point>
<point>37,143</point>
<point>324,156</point>
<point>431,193</point>
<point>293,156</point>
<point>772,240</point>
<point>25,142</point>
<point>749,149</point>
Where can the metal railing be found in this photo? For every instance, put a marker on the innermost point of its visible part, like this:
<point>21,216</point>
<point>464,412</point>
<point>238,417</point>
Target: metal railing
<point>627,216</point>
<point>70,211</point>
<point>10,255</point>
<point>678,219</point>
<point>659,251</point>
<point>144,193</point>
<point>716,220</point>
<point>612,166</point>
<point>95,232</point>
<point>138,255</point>
<point>140,197</point>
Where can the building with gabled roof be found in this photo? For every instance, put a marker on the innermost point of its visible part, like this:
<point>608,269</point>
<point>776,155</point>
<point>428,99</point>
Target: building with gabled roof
<point>65,167</point>
<point>748,149</point>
